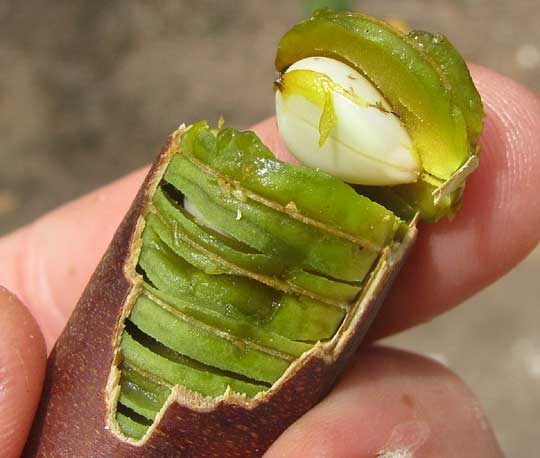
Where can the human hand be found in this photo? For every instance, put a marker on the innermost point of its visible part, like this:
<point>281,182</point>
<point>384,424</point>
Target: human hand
<point>388,400</point>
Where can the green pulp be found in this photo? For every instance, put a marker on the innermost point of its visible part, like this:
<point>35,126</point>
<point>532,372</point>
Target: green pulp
<point>232,297</point>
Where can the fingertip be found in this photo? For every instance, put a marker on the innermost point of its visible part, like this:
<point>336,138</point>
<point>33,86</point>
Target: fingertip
<point>22,367</point>
<point>510,164</point>
<point>498,224</point>
<point>392,403</point>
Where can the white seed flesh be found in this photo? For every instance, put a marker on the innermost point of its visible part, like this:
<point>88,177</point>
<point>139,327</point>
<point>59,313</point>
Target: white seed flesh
<point>367,144</point>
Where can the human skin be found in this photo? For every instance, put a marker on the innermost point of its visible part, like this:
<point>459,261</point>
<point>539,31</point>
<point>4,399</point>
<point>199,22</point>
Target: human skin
<point>387,400</point>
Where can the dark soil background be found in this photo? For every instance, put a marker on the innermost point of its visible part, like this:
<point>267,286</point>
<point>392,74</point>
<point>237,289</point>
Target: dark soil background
<point>90,89</point>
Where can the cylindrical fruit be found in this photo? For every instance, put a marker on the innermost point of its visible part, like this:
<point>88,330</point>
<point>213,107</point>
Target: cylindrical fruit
<point>238,286</point>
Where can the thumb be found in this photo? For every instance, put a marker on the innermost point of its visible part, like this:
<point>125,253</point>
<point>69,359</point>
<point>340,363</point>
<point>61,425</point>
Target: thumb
<point>22,368</point>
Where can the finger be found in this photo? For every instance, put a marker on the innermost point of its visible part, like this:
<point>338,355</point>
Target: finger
<point>48,263</point>
<point>498,225</point>
<point>268,133</point>
<point>449,263</point>
<point>22,368</point>
<point>392,404</point>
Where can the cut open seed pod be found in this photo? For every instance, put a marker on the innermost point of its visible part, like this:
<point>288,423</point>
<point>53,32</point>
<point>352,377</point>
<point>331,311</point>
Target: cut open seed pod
<point>234,291</point>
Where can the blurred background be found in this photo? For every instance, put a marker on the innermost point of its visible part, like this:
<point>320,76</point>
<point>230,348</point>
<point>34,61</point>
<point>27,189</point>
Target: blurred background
<point>90,89</point>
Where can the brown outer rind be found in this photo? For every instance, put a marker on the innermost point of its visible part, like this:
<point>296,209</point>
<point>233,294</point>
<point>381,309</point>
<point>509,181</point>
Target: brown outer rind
<point>71,418</point>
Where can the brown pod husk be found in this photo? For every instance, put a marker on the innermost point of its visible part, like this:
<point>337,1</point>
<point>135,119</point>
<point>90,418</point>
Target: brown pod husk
<point>74,418</point>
